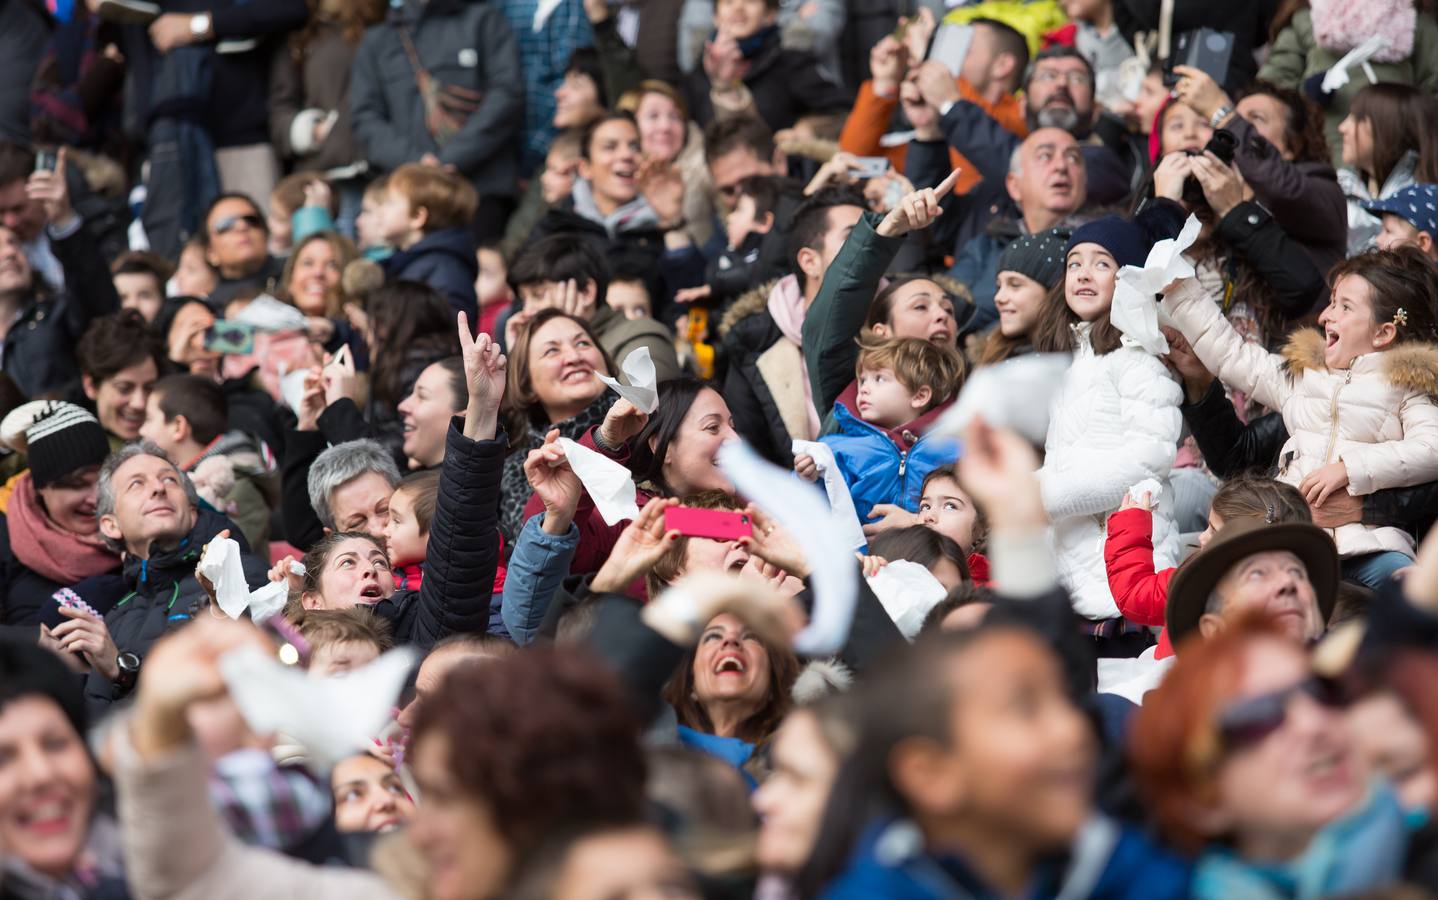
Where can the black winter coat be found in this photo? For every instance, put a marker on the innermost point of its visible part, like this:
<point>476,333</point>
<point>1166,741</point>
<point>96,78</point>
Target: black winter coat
<point>40,346</point>
<point>463,551</point>
<point>786,86</point>
<point>445,261</point>
<point>754,385</point>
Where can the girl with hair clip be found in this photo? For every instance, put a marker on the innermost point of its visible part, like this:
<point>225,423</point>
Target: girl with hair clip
<point>1356,397</point>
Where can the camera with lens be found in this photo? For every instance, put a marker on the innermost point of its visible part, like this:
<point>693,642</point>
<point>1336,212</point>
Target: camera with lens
<point>1222,145</point>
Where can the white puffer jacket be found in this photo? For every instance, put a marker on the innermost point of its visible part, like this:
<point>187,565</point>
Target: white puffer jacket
<point>1114,423</point>
<point>1378,416</point>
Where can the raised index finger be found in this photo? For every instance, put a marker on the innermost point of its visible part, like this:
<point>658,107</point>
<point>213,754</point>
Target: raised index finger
<point>947,185</point>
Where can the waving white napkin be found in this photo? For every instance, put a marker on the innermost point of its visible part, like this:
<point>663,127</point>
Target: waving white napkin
<point>609,484</point>
<point>1337,76</point>
<point>221,565</point>
<point>800,511</point>
<point>268,314</point>
<point>1135,312</point>
<point>638,369</point>
<point>1015,393</point>
<point>333,718</point>
<point>908,591</point>
<point>841,502</point>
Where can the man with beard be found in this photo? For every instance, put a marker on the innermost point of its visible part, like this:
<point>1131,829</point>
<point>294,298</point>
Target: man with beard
<point>1059,94</point>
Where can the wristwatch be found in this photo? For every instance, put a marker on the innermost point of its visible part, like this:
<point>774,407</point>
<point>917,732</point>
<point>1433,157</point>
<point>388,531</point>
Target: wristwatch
<point>200,26</point>
<point>129,666</point>
<point>1220,114</point>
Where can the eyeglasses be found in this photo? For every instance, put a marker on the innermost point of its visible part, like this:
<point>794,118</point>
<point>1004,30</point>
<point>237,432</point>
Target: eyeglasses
<point>1053,76</point>
<point>227,224</point>
<point>1249,721</point>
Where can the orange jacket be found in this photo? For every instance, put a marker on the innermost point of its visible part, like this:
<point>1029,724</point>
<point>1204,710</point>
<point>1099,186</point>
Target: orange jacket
<point>871,116</point>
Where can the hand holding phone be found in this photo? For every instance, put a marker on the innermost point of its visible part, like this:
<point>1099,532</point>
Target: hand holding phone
<point>714,524</point>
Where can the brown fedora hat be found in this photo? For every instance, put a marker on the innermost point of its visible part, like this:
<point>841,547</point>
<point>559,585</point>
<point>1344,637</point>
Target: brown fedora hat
<point>1195,580</point>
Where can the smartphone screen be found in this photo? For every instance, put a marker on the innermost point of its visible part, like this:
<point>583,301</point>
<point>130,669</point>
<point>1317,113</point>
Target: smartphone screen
<point>951,46</point>
<point>230,337</point>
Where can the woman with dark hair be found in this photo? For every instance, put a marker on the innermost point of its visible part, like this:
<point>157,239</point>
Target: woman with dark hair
<point>670,452</point>
<point>1387,145</point>
<point>1267,277</point>
<point>56,842</point>
<point>731,691</point>
<point>440,393</point>
<point>408,326</point>
<point>505,755</point>
<point>551,388</point>
<point>1283,157</point>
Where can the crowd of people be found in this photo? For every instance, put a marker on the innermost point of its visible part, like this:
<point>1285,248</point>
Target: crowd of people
<point>340,338</point>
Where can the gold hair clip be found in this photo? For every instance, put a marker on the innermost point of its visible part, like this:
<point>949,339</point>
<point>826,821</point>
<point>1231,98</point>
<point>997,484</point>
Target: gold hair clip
<point>1400,317</point>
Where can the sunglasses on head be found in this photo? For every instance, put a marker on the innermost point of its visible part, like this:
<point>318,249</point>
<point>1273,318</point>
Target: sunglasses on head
<point>1249,721</point>
<point>227,224</point>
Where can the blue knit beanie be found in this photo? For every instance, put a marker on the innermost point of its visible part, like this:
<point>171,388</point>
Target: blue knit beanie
<point>1118,236</point>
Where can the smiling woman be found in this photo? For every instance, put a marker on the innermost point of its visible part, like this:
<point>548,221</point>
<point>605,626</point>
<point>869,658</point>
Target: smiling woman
<point>50,539</point>
<point>311,277</point>
<point>551,386</point>
<point>48,824</point>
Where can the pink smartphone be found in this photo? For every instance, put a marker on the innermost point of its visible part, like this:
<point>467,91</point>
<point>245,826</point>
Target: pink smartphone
<point>715,524</point>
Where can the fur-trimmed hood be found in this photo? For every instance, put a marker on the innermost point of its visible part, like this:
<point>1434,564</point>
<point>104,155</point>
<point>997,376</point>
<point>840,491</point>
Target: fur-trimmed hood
<point>752,301</point>
<point>1411,366</point>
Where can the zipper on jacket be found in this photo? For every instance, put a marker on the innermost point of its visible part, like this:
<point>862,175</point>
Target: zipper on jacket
<point>1333,424</point>
<point>903,462</point>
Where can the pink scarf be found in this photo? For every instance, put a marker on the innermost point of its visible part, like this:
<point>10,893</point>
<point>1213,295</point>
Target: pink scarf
<point>48,550</point>
<point>1341,25</point>
<point>786,305</point>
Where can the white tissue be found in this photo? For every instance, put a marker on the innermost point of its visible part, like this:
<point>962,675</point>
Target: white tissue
<point>1149,486</point>
<point>609,484</point>
<point>221,565</point>
<point>1135,312</point>
<point>1015,393</point>
<point>268,314</point>
<point>638,370</point>
<point>799,510</point>
<point>841,502</point>
<point>907,591</point>
<point>292,386</point>
<point>333,718</point>
<point>1337,75</point>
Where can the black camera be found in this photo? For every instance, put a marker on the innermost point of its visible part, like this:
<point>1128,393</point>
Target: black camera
<point>1222,145</point>
<point>1204,49</point>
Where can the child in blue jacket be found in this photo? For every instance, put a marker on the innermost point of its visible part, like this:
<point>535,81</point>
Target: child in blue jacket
<point>880,446</point>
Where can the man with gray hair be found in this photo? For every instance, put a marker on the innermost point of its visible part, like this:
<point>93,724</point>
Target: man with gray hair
<point>1047,183</point>
<point>350,485</point>
<point>149,511</point>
